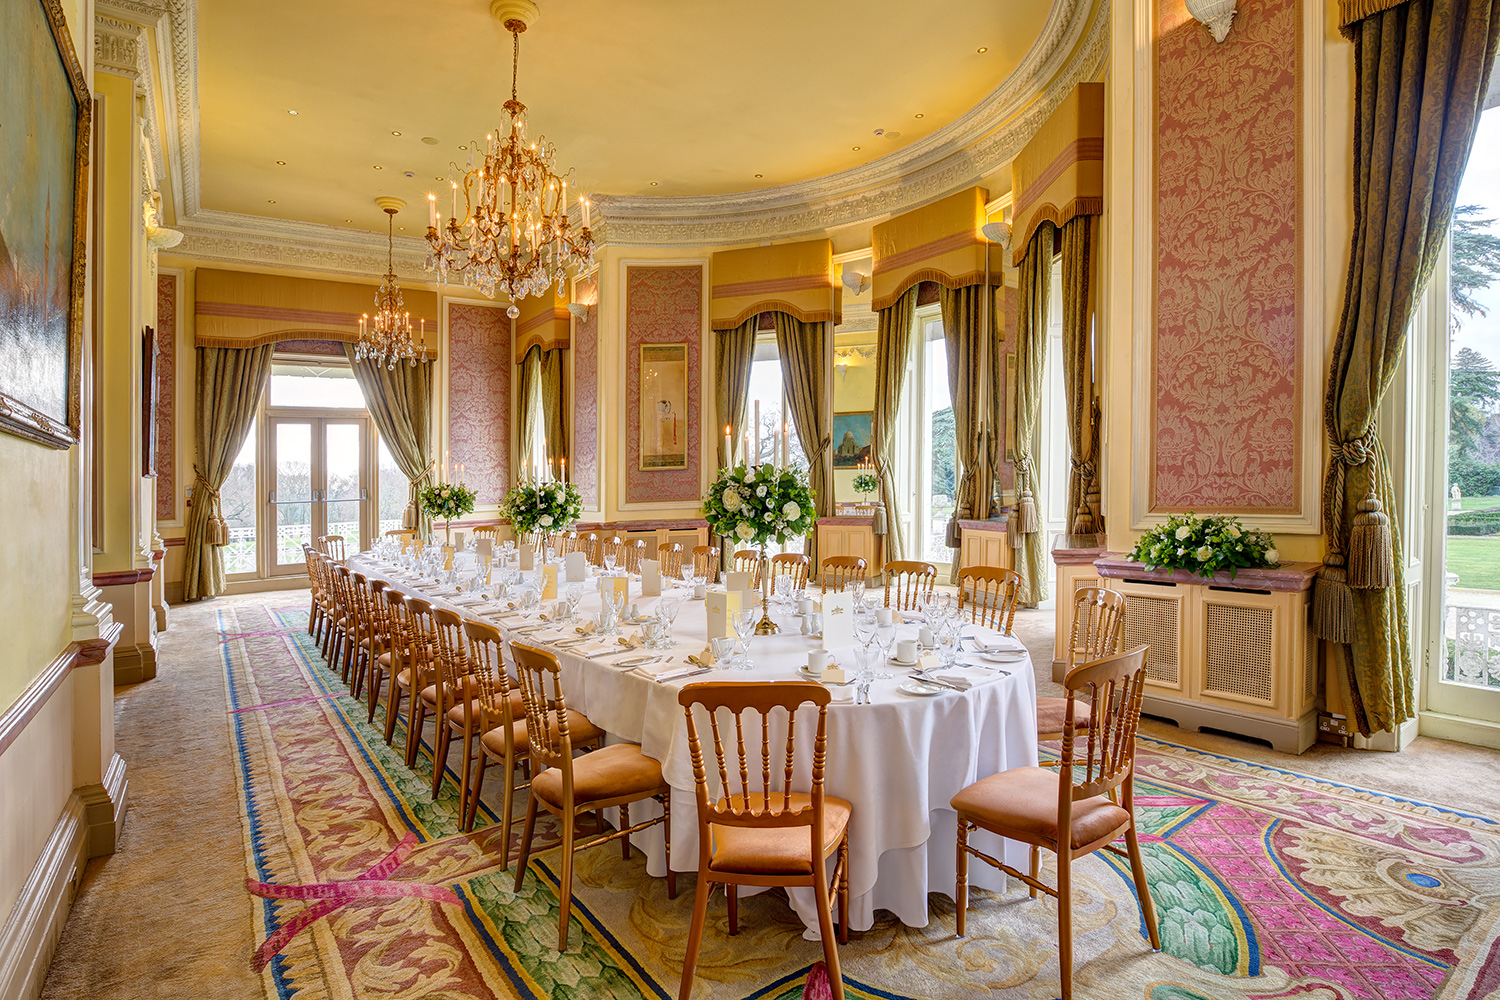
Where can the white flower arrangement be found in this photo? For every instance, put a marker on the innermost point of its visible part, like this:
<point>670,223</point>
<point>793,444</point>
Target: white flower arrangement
<point>1205,545</point>
<point>545,507</point>
<point>446,501</point>
<point>759,504</point>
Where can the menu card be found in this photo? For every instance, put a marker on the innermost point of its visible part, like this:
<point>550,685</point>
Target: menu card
<point>576,566</point>
<point>838,621</point>
<point>650,578</point>
<point>485,546</point>
<point>549,582</point>
<point>721,606</point>
<point>734,581</point>
<point>447,557</point>
<point>528,557</point>
<point>620,584</point>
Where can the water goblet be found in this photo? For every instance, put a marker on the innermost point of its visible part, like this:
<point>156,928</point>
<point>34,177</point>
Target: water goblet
<point>744,627</point>
<point>947,644</point>
<point>574,596</point>
<point>653,633</point>
<point>609,562</point>
<point>723,651</point>
<point>666,610</point>
<point>864,631</point>
<point>885,641</point>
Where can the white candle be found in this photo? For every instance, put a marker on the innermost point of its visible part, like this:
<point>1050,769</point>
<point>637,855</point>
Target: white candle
<point>728,446</point>
<point>585,201</point>
<point>454,213</point>
<point>786,444</point>
<point>432,210</point>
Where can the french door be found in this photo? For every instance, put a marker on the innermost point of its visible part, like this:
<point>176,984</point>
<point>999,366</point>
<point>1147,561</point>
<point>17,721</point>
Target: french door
<point>319,486</point>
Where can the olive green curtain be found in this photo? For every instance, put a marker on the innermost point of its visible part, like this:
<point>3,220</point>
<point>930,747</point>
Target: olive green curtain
<point>230,381</point>
<point>400,402</point>
<point>892,359</point>
<point>551,394</point>
<point>1421,71</point>
<point>1031,358</point>
<point>964,332</point>
<point>529,389</point>
<point>736,356</point>
<point>803,348</point>
<point>1077,251</point>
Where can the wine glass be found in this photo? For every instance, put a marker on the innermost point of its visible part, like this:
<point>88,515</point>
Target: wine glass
<point>864,630</point>
<point>609,562</point>
<point>723,649</point>
<point>885,639</point>
<point>614,603</point>
<point>666,610</point>
<point>947,643</point>
<point>857,589</point>
<point>744,627</point>
<point>574,596</point>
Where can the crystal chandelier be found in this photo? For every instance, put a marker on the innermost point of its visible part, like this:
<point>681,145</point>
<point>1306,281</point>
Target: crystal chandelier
<point>386,338</point>
<point>515,236</point>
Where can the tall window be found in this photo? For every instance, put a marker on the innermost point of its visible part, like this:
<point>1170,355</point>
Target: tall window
<point>779,444</point>
<point>392,489</point>
<point>929,467</point>
<point>237,499</point>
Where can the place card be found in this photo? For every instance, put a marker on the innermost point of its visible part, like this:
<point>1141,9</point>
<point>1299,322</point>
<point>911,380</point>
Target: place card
<point>834,675</point>
<point>485,546</point>
<point>927,662</point>
<point>721,606</point>
<point>737,581</point>
<point>447,557</point>
<point>620,584</point>
<point>838,620</point>
<point>549,582</point>
<point>576,567</point>
<point>650,578</point>
<point>528,557</point>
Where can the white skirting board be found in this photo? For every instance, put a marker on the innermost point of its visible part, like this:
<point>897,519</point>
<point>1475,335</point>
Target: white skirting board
<point>36,921</point>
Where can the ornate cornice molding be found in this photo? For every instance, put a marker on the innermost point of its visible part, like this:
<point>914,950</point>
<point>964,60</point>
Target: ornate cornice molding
<point>1071,50</point>
<point>248,239</point>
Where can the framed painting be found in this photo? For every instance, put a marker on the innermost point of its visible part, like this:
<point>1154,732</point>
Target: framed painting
<point>44,151</point>
<point>851,439</point>
<point>664,398</point>
<point>148,402</point>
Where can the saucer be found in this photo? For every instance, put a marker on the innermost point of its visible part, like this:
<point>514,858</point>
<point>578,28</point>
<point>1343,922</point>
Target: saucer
<point>922,689</point>
<point>897,661</point>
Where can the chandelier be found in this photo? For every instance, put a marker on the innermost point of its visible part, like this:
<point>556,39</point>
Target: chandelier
<point>514,236</point>
<point>386,338</point>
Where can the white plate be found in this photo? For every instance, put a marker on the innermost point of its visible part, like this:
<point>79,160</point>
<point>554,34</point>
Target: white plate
<point>1004,655</point>
<point>920,688</point>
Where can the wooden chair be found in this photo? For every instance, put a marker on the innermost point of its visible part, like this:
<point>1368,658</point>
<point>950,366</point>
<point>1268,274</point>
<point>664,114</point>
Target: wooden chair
<point>318,589</point>
<point>706,561</point>
<point>1098,616</point>
<point>989,593</point>
<point>490,531</point>
<point>500,723</point>
<point>454,688</point>
<point>332,546</point>
<point>589,546</point>
<point>793,564</point>
<point>906,580</point>
<point>765,833</point>
<point>419,671</point>
<point>396,647</point>
<point>343,598</point>
<point>565,785</point>
<point>841,570</point>
<point>1070,811</point>
<point>369,628</point>
<point>631,554</point>
<point>748,561</point>
<point>669,555</point>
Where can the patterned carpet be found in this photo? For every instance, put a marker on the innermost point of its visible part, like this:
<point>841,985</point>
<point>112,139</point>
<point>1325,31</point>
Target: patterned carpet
<point>1267,884</point>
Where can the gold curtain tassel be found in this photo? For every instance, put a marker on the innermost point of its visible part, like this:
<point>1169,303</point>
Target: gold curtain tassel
<point>1333,602</point>
<point>1372,561</point>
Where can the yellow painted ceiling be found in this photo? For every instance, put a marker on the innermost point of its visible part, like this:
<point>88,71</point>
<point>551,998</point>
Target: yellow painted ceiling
<point>698,96</point>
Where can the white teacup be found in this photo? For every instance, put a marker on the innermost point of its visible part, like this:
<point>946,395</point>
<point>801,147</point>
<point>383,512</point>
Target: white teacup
<point>925,637</point>
<point>884,616</point>
<point>700,592</point>
<point>818,660</point>
<point>907,650</point>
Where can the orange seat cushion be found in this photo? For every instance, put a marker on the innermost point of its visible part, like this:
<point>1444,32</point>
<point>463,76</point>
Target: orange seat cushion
<point>614,772</point>
<point>1022,802</point>
<point>467,689</point>
<point>782,850</point>
<point>459,713</point>
<point>1051,713</point>
<point>580,731</point>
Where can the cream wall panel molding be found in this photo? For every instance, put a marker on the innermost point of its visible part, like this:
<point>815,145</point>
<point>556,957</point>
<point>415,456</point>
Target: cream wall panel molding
<point>35,923</point>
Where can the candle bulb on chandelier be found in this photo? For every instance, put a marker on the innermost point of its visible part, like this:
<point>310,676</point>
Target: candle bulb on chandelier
<point>432,218</point>
<point>728,445</point>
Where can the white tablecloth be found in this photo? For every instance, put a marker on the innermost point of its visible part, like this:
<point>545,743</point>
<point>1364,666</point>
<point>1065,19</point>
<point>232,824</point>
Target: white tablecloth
<point>898,760</point>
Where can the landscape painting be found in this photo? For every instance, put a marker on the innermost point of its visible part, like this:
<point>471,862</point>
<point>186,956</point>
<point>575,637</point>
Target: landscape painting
<point>44,120</point>
<point>851,440</point>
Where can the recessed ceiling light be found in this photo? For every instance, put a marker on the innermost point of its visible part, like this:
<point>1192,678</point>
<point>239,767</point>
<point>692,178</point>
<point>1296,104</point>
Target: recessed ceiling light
<point>291,112</point>
<point>856,149</point>
<point>760,175</point>
<point>394,132</point>
<point>438,178</point>
<point>891,134</point>
<point>430,140</point>
<point>982,50</point>
<point>281,163</point>
<point>270,201</point>
<point>920,115</point>
<point>463,147</point>
<point>379,167</point>
<point>348,220</point>
<point>653,184</point>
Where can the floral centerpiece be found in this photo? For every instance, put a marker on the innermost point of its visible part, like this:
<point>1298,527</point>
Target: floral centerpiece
<point>1205,545</point>
<point>866,482</point>
<point>537,508</point>
<point>446,501</point>
<point>755,505</point>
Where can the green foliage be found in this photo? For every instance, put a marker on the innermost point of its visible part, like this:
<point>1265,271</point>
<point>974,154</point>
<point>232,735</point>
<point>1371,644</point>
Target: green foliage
<point>756,505</point>
<point>1476,260</point>
<point>1475,522</point>
<point>1474,479</point>
<point>1473,390</point>
<point>1205,545</point>
<point>866,482</point>
<point>446,501</point>
<point>943,460</point>
<point>545,507</point>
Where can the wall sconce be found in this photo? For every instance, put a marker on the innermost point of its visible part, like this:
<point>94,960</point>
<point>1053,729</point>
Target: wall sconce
<point>1213,14</point>
<point>997,232</point>
<point>856,282</point>
<point>843,369</point>
<point>579,310</point>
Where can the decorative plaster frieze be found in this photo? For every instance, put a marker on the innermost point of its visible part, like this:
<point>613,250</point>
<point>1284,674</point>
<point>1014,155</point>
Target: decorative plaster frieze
<point>246,239</point>
<point>121,47</point>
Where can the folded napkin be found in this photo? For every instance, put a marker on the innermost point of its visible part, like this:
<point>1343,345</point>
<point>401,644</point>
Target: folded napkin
<point>969,678</point>
<point>996,643</point>
<point>665,671</point>
<point>469,602</point>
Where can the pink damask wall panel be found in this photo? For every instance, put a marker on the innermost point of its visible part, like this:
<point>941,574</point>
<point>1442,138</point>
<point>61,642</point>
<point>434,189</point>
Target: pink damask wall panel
<point>479,367</point>
<point>584,466</point>
<point>1227,352</point>
<point>663,305</point>
<point>166,397</point>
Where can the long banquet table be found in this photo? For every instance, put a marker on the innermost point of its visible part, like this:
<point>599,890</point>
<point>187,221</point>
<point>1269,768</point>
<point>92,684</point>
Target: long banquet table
<point>897,760</point>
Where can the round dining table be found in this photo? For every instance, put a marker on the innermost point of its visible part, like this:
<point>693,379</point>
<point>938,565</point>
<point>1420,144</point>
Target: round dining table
<point>898,759</point>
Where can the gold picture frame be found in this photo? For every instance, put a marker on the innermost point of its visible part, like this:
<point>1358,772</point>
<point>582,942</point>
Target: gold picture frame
<point>43,263</point>
<point>663,407</point>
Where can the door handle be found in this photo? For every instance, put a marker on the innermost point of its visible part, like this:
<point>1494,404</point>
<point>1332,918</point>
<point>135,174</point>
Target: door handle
<point>364,494</point>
